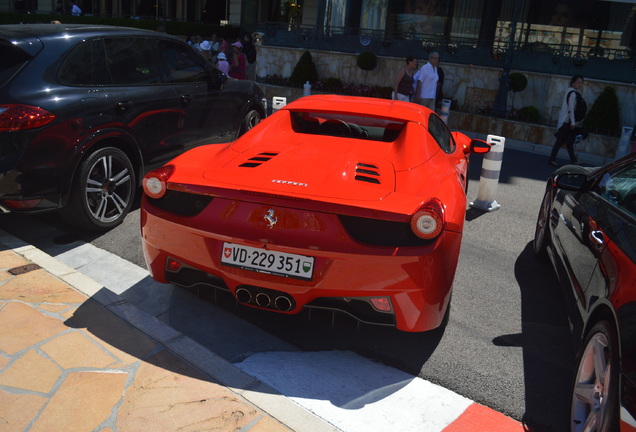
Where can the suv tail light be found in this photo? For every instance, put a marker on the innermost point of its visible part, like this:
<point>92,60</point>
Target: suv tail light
<point>155,183</point>
<point>428,222</point>
<point>21,117</point>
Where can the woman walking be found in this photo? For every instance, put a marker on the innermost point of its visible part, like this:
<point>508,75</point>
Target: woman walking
<point>403,88</point>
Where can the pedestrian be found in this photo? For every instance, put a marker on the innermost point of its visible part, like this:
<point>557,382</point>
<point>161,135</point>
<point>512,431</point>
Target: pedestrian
<point>224,45</point>
<point>239,62</point>
<point>403,88</point>
<point>426,82</point>
<point>75,9</point>
<point>59,9</point>
<point>250,55</point>
<point>205,48</point>
<point>572,111</point>
<point>222,64</point>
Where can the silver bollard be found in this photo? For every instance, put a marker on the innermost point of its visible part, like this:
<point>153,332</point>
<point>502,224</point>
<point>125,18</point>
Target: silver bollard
<point>623,144</point>
<point>490,170</point>
<point>445,111</point>
<point>278,102</point>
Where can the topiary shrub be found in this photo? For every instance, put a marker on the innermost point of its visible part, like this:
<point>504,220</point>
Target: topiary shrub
<point>604,116</point>
<point>367,60</point>
<point>305,70</point>
<point>529,114</point>
<point>332,85</point>
<point>518,83</point>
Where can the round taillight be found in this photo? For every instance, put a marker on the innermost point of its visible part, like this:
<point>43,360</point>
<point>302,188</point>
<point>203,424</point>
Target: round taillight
<point>428,222</point>
<point>155,183</point>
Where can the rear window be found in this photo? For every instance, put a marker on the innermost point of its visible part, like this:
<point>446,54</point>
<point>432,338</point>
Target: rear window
<point>346,125</point>
<point>13,58</point>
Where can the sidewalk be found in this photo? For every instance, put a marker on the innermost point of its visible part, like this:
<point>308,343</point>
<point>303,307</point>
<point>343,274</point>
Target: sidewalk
<point>70,363</point>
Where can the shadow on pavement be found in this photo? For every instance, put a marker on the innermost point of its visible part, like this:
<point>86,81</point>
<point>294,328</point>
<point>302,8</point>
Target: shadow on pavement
<point>546,343</point>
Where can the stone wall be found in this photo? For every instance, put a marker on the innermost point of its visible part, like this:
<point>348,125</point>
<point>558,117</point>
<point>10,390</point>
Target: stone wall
<point>472,88</point>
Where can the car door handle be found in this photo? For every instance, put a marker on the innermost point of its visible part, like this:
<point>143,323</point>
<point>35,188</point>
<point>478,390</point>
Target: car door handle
<point>185,99</point>
<point>124,105</point>
<point>597,238</point>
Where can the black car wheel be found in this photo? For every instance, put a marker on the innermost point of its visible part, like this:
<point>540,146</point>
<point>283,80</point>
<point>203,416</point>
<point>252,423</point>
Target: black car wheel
<point>252,118</point>
<point>103,191</point>
<point>540,243</point>
<point>595,389</point>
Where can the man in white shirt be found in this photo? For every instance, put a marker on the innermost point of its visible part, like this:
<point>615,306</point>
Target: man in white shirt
<point>426,82</point>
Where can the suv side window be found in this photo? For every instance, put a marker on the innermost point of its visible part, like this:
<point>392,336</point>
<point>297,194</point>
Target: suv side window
<point>131,61</point>
<point>183,63</point>
<point>440,133</point>
<point>619,188</point>
<point>84,65</point>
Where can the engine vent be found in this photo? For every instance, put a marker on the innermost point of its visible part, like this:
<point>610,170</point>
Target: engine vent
<point>258,160</point>
<point>367,173</point>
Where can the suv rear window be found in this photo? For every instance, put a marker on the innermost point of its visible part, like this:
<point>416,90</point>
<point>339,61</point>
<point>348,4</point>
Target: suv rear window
<point>13,58</point>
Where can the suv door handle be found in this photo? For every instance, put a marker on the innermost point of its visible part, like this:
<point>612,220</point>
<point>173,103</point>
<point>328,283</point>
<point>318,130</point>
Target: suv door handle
<point>185,99</point>
<point>124,105</point>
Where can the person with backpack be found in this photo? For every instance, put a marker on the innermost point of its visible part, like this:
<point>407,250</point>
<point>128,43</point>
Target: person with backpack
<point>573,111</point>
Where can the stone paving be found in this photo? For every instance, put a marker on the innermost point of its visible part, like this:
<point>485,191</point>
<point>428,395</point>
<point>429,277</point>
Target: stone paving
<point>69,364</point>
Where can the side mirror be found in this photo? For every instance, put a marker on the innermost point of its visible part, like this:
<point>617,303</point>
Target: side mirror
<point>479,146</point>
<point>571,182</point>
<point>217,79</point>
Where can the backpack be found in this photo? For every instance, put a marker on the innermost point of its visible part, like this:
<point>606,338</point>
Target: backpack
<point>581,106</point>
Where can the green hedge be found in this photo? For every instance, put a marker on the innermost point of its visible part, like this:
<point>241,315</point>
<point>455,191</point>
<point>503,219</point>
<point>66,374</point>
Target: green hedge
<point>179,28</point>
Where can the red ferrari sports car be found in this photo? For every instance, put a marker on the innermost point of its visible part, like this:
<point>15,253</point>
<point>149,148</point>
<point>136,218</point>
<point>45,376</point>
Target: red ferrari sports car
<point>333,202</point>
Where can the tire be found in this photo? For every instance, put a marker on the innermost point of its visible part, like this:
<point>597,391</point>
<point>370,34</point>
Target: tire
<point>541,237</point>
<point>595,389</point>
<point>102,192</point>
<point>251,119</point>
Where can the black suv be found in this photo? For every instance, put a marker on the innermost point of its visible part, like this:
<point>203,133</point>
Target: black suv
<point>86,111</point>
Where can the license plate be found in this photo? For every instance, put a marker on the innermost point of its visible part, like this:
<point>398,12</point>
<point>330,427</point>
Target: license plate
<point>267,261</point>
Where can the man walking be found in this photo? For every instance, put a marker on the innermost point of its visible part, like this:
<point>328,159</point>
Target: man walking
<point>426,82</point>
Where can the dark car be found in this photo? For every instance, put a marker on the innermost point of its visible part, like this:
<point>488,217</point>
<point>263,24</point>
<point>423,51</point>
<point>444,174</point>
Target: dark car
<point>587,227</point>
<point>86,111</point>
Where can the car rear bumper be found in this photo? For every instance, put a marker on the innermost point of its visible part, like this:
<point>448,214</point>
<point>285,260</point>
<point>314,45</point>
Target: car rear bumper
<point>417,281</point>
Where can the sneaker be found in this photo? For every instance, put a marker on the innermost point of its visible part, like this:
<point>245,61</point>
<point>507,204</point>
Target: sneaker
<point>553,163</point>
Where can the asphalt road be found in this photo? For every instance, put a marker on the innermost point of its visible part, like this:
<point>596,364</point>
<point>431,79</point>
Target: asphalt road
<point>506,345</point>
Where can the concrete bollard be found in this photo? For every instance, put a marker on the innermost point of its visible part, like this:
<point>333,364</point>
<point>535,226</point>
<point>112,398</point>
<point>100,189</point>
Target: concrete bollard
<point>445,111</point>
<point>489,180</point>
<point>278,102</point>
<point>623,145</point>
<point>306,89</point>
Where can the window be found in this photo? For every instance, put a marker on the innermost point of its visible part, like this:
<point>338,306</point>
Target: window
<point>12,60</point>
<point>438,130</point>
<point>619,188</point>
<point>184,64</point>
<point>346,125</point>
<point>131,61</point>
<point>84,66</point>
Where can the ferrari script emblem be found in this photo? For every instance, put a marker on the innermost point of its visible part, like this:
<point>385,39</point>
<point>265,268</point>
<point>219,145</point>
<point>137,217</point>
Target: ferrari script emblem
<point>270,218</point>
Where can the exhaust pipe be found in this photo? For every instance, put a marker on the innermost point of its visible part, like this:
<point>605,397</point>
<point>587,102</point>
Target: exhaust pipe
<point>283,304</point>
<point>243,295</point>
<point>263,300</point>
